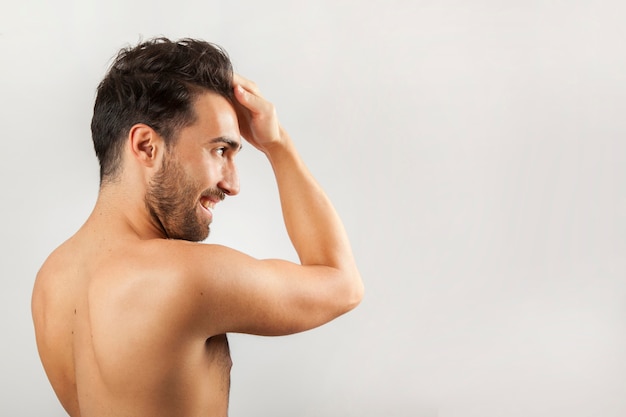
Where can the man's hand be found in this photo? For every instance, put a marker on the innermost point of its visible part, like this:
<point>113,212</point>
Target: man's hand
<point>258,122</point>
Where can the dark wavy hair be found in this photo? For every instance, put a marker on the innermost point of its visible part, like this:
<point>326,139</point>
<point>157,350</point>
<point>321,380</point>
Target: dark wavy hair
<point>156,83</point>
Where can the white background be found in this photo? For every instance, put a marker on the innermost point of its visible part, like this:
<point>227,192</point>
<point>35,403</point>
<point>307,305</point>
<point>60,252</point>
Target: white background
<point>475,149</point>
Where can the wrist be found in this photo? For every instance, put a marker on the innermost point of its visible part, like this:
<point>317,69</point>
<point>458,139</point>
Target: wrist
<point>283,145</point>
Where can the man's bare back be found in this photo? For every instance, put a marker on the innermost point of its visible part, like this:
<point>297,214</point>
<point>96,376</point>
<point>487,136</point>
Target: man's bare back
<point>131,313</point>
<point>114,334</point>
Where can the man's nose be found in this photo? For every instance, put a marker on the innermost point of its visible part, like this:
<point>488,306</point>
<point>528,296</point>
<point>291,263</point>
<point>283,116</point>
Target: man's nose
<point>230,180</point>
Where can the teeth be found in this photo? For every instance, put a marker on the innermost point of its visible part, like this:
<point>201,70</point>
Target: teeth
<point>208,204</point>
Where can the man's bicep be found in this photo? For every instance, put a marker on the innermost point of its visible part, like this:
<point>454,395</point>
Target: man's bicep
<point>264,297</point>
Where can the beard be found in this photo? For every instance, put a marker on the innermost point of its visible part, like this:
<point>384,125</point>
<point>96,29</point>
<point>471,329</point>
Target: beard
<point>172,200</point>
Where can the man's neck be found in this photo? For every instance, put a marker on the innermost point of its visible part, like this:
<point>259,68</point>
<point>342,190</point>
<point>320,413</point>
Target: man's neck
<point>123,211</point>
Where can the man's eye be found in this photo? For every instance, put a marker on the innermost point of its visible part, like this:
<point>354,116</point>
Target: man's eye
<point>220,151</point>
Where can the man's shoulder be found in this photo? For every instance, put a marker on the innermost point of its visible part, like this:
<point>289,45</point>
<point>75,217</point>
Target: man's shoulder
<point>174,266</point>
<point>115,260</point>
<point>176,254</point>
<point>160,283</point>
<point>147,281</point>
<point>185,255</point>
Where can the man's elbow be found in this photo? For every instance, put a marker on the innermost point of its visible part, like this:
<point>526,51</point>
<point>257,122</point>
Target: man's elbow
<point>355,292</point>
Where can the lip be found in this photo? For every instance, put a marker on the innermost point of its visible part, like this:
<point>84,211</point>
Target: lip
<point>207,211</point>
<point>208,204</point>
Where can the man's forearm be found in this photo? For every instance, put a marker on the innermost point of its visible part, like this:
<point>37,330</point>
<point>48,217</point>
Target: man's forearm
<point>312,223</point>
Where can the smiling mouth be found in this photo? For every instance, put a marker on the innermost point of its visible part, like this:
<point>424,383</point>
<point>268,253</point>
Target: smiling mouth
<point>208,204</point>
<point>210,198</point>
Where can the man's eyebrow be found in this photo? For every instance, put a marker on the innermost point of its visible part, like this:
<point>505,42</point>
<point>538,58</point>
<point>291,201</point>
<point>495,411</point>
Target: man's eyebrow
<point>233,144</point>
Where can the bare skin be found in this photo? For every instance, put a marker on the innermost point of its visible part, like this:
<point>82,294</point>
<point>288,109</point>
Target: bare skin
<point>130,322</point>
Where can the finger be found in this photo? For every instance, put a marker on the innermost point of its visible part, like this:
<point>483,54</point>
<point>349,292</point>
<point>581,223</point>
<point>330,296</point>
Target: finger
<point>250,101</point>
<point>246,83</point>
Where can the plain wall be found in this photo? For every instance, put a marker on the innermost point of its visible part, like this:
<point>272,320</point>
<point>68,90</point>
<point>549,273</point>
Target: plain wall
<point>475,149</point>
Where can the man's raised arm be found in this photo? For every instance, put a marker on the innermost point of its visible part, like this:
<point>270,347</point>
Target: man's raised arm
<point>275,297</point>
<point>313,225</point>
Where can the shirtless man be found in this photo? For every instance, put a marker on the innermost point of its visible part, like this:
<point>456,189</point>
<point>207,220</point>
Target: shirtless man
<point>131,313</point>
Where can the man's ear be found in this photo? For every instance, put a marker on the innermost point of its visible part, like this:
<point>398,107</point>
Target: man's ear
<point>146,145</point>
